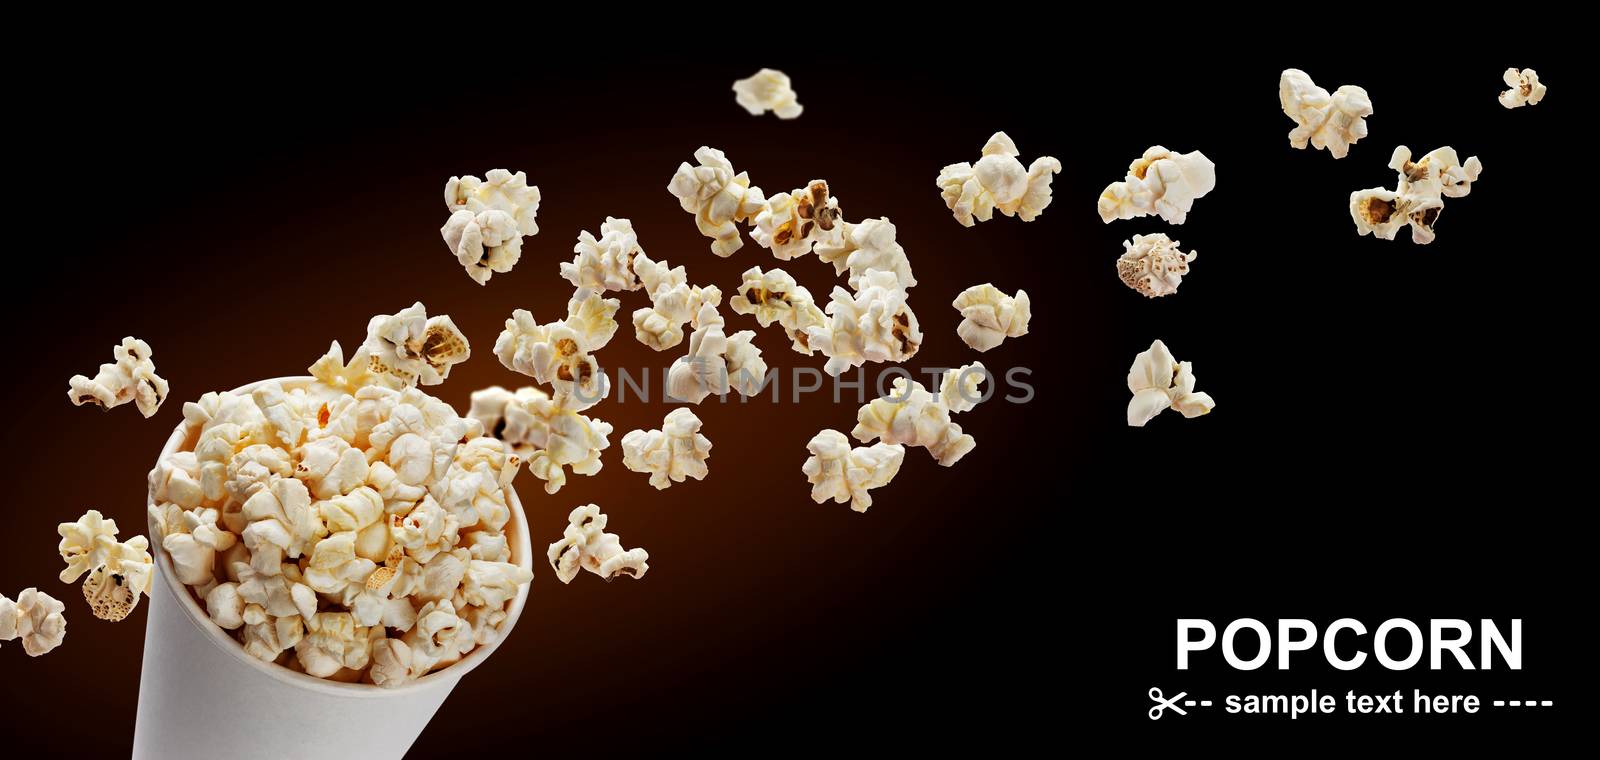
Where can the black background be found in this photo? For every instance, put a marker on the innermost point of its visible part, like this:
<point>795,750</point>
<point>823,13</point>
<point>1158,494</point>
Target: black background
<point>1399,429</point>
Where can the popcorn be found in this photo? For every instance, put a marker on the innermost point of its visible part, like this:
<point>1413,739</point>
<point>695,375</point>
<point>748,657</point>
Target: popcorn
<point>488,221</point>
<point>672,303</point>
<point>132,377</point>
<point>1160,182</point>
<point>332,642</point>
<point>1333,122</point>
<point>1418,199</point>
<point>358,502</point>
<point>552,353</point>
<point>119,572</point>
<point>717,197</point>
<point>998,181</point>
<point>35,617</point>
<point>504,192</point>
<point>1526,90</point>
<point>867,245</point>
<point>193,539</point>
<point>1160,382</point>
<point>958,389</point>
<point>391,663</point>
<point>415,348</point>
<point>716,362</point>
<point>225,606</point>
<point>548,433</point>
<point>585,545</point>
<point>605,263</point>
<point>1152,265</point>
<point>841,473</point>
<point>989,316</point>
<point>483,243</point>
<point>332,370</point>
<point>592,317</point>
<point>670,454</point>
<point>767,90</point>
<point>438,635</point>
<point>774,296</point>
<point>912,416</point>
<point>874,324</point>
<point>790,223</point>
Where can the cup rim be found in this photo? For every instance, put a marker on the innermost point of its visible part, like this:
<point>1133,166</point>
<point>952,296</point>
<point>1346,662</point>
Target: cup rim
<point>517,527</point>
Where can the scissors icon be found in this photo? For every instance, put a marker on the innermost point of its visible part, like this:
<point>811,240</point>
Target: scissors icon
<point>1163,703</point>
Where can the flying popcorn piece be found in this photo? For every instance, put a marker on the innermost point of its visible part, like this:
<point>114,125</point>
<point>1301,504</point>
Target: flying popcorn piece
<point>837,471</point>
<point>989,316</point>
<point>869,244</point>
<point>717,197</point>
<point>605,263</point>
<point>488,221</point>
<point>132,377</point>
<point>874,324</point>
<point>548,433</point>
<point>1152,265</point>
<point>958,388</point>
<point>333,371</point>
<point>912,416</point>
<point>997,181</point>
<point>118,572</point>
<point>767,90</point>
<point>586,545</point>
<point>36,618</point>
<point>1326,122</point>
<point>1160,382</point>
<point>791,223</point>
<point>553,353</point>
<point>414,347</point>
<point>774,296</point>
<point>1526,90</point>
<point>1418,198</point>
<point>668,455</point>
<point>673,302</point>
<point>592,317</point>
<point>1160,182</point>
<point>716,362</point>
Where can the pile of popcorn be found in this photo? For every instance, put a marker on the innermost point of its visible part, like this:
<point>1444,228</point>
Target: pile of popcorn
<point>352,529</point>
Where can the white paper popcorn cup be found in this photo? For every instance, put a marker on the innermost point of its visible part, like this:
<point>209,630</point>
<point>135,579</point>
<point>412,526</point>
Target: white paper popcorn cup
<point>201,695</point>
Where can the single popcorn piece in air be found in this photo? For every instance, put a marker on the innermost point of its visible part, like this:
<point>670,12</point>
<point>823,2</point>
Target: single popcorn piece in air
<point>774,296</point>
<point>717,197</point>
<point>668,455</point>
<point>553,353</point>
<point>1160,382</point>
<point>118,572</point>
<point>989,316</point>
<point>673,301</point>
<point>605,263</point>
<point>997,181</point>
<point>414,347</point>
<point>1325,122</point>
<point>488,220</point>
<point>586,545</point>
<point>1153,265</point>
<point>912,416</point>
<point>1526,89</point>
<point>1418,198</point>
<point>36,618</point>
<point>767,90</point>
<point>548,433</point>
<point>958,388</point>
<point>1161,182</point>
<point>841,473</point>
<point>132,377</point>
<point>869,244</point>
<point>874,324</point>
<point>716,362</point>
<point>791,223</point>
